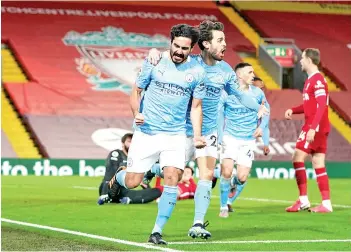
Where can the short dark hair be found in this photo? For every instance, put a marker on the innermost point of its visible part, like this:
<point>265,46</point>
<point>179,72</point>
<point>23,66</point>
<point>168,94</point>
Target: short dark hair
<point>187,31</point>
<point>192,169</point>
<point>126,136</point>
<point>314,54</point>
<point>257,79</point>
<point>206,27</point>
<point>241,65</point>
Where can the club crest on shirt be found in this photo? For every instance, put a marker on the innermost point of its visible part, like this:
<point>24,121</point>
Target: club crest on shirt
<point>189,78</point>
<point>111,59</point>
<point>319,84</point>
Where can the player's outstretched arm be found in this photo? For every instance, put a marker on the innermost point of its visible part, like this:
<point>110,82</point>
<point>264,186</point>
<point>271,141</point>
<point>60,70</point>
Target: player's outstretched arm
<point>298,109</point>
<point>295,110</point>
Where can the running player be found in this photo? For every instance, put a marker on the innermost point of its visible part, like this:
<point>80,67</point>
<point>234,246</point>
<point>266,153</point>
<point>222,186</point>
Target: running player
<point>219,76</point>
<point>160,120</point>
<point>240,131</point>
<point>233,195</point>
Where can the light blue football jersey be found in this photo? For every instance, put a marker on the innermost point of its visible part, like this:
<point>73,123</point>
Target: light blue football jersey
<point>238,120</point>
<point>218,77</point>
<point>168,89</point>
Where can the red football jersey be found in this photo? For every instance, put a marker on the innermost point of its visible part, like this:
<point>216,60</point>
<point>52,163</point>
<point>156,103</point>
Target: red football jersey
<point>187,191</point>
<point>315,86</point>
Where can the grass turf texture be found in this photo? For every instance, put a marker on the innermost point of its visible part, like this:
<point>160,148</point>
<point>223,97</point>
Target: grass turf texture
<point>53,201</point>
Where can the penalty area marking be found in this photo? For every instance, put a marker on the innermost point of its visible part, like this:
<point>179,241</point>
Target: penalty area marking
<point>262,241</point>
<point>97,237</point>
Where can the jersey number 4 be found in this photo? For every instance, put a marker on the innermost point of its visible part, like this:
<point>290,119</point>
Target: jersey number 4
<point>302,136</point>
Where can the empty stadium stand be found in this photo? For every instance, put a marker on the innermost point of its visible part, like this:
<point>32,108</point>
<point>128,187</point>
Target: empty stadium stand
<point>260,72</point>
<point>81,60</point>
<point>312,30</point>
<point>6,147</point>
<point>341,102</point>
<point>16,141</point>
<point>65,47</point>
<point>284,134</point>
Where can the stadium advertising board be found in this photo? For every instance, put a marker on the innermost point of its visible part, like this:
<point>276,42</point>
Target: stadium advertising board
<point>96,168</point>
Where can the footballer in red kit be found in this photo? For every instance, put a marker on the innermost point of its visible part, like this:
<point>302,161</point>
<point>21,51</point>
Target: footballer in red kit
<point>186,186</point>
<point>315,107</point>
<point>314,134</point>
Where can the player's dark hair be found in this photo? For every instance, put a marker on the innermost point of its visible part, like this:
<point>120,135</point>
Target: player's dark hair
<point>257,79</point>
<point>206,27</point>
<point>241,65</point>
<point>187,31</point>
<point>126,136</point>
<point>192,170</point>
<point>314,54</point>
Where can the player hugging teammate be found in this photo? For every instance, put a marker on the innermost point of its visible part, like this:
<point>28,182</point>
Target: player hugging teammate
<point>176,120</point>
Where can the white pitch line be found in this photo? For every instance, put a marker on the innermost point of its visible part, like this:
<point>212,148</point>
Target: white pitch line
<point>287,201</point>
<point>85,187</point>
<point>259,241</point>
<point>280,201</point>
<point>98,237</point>
<point>240,198</point>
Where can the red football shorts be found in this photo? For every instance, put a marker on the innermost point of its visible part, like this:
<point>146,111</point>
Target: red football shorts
<point>319,145</point>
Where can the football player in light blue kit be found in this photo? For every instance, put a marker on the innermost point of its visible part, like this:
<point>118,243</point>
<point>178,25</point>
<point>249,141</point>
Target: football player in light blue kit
<point>160,120</point>
<point>239,137</point>
<point>219,76</point>
<point>257,82</point>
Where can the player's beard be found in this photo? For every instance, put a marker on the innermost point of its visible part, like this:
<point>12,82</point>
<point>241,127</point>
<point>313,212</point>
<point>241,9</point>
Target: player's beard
<point>180,56</point>
<point>218,55</point>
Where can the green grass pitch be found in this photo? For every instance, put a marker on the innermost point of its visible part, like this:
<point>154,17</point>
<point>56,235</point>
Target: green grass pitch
<point>69,203</point>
